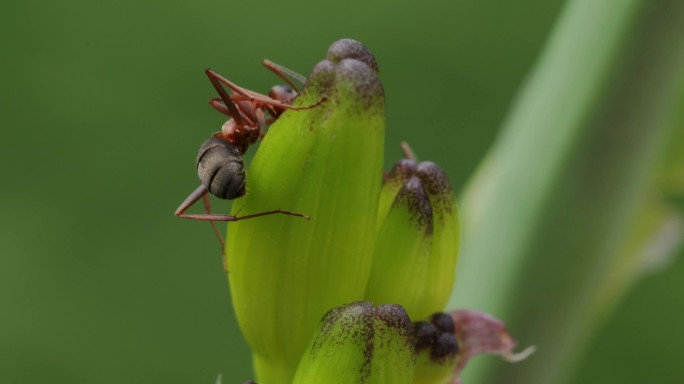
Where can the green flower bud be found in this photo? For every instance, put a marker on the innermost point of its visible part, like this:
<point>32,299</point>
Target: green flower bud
<point>416,249</point>
<point>285,273</point>
<point>358,343</point>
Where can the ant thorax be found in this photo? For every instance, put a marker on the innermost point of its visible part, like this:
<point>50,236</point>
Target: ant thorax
<point>241,136</point>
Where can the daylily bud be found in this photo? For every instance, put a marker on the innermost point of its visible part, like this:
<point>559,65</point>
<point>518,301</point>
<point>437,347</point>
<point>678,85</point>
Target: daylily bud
<point>358,343</point>
<point>285,273</point>
<point>416,249</point>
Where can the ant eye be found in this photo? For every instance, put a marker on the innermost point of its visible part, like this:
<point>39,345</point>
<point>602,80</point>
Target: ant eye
<point>282,92</point>
<point>282,89</point>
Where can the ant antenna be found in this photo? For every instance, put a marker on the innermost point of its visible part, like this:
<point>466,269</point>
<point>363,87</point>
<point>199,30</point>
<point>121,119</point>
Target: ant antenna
<point>281,71</point>
<point>408,152</point>
<point>232,109</point>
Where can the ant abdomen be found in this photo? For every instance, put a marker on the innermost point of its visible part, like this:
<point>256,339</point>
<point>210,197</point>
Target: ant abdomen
<point>220,168</point>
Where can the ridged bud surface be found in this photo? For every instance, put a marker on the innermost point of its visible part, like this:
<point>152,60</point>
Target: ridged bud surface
<point>285,273</point>
<point>359,343</point>
<point>416,250</point>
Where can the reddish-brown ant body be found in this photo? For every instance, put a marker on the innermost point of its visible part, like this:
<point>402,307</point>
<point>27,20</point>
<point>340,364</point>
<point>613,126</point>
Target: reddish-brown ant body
<point>219,162</point>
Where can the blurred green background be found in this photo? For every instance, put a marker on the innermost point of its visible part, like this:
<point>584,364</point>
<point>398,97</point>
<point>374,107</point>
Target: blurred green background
<point>103,110</point>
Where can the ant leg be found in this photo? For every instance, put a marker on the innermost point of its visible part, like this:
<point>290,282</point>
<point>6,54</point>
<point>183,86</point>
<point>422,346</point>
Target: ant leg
<point>201,191</point>
<point>190,200</point>
<point>253,96</point>
<point>218,105</point>
<point>207,210</point>
<point>249,115</point>
<point>281,71</point>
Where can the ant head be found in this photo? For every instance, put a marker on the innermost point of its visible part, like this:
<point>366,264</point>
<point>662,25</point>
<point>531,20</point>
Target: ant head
<point>228,128</point>
<point>240,136</point>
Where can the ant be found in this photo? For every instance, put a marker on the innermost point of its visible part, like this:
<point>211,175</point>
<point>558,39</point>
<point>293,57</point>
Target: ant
<point>219,162</point>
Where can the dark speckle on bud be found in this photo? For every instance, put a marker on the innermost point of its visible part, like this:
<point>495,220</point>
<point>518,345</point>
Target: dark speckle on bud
<point>434,178</point>
<point>403,170</point>
<point>426,334</point>
<point>444,322</point>
<point>352,49</point>
<point>367,86</point>
<point>344,81</point>
<point>445,348</point>
<point>362,341</point>
<point>437,186</point>
<point>322,75</point>
<point>352,322</point>
<point>413,196</point>
<point>394,316</point>
<point>349,315</point>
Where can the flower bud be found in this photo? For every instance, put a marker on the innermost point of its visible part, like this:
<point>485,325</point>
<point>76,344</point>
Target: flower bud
<point>358,343</point>
<point>416,249</point>
<point>285,273</point>
<point>437,350</point>
<point>446,342</point>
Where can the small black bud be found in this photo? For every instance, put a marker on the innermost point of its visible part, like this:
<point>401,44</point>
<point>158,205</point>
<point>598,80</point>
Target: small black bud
<point>445,348</point>
<point>443,322</point>
<point>426,334</point>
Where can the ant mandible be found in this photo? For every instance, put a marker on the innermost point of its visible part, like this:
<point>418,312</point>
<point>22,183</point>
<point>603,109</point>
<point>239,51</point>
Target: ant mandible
<point>219,162</point>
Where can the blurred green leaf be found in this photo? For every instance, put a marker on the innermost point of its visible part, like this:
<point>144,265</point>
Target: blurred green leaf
<point>549,212</point>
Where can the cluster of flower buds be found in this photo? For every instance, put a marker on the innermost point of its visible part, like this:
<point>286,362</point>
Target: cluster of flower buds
<point>392,242</point>
<point>361,343</point>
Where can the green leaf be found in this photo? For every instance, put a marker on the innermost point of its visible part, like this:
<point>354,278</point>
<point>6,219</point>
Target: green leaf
<point>549,212</point>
